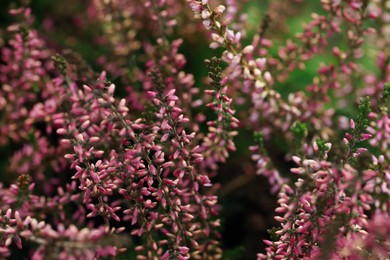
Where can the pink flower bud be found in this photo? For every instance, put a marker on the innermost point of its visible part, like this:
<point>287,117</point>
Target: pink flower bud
<point>61,131</point>
<point>248,49</point>
<point>365,137</point>
<point>352,124</point>
<point>219,9</point>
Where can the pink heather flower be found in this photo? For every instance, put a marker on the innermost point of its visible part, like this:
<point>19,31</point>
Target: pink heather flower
<point>88,170</point>
<point>365,136</point>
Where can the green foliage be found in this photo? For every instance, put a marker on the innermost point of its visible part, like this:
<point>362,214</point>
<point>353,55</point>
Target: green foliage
<point>23,182</point>
<point>362,118</point>
<point>386,91</point>
<point>322,147</point>
<point>259,140</point>
<point>299,130</point>
<point>234,253</point>
<point>60,63</point>
<point>273,235</point>
<point>215,72</point>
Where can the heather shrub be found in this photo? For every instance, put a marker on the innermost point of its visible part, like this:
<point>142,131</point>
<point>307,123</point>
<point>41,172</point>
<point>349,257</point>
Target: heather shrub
<point>137,129</point>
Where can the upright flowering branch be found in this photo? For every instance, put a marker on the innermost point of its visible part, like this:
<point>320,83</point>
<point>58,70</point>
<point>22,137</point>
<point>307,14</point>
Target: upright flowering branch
<point>325,213</point>
<point>236,57</point>
<point>255,81</point>
<point>166,57</point>
<point>28,57</point>
<point>29,106</point>
<point>171,95</point>
<point>147,162</point>
<point>264,164</point>
<point>163,146</point>
<point>108,157</point>
<point>379,126</point>
<point>366,190</point>
<point>358,130</point>
<point>219,139</point>
<point>187,178</point>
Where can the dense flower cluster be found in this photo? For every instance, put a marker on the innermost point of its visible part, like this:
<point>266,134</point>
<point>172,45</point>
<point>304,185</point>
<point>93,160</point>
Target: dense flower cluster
<point>121,157</point>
